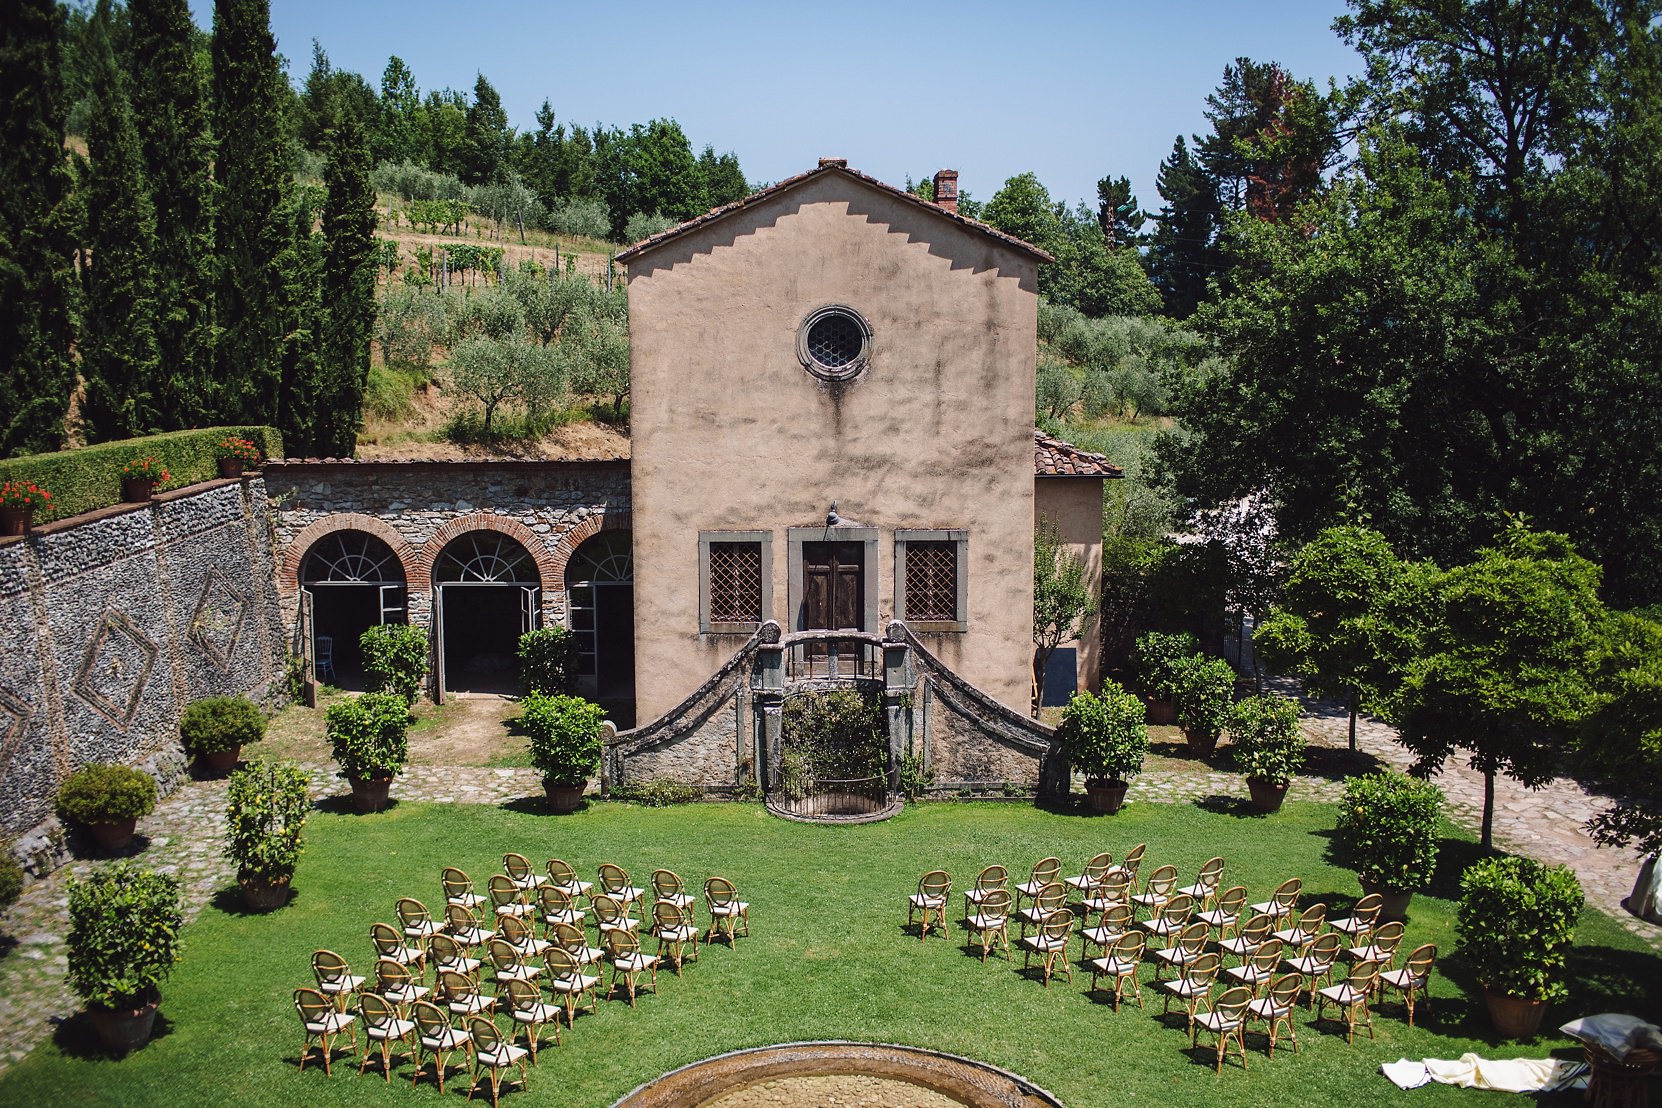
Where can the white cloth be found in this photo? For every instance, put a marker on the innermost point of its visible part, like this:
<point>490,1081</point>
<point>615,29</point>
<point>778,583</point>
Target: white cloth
<point>1469,1071</point>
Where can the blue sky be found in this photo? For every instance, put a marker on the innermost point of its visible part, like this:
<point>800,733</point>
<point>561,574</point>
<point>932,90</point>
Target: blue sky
<point>1071,91</point>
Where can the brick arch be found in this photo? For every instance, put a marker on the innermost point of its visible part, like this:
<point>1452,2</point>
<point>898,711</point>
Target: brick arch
<point>578,535</point>
<point>455,528</point>
<point>288,574</point>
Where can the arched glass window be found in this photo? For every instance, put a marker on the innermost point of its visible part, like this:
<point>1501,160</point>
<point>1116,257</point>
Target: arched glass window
<point>351,557</point>
<point>486,557</point>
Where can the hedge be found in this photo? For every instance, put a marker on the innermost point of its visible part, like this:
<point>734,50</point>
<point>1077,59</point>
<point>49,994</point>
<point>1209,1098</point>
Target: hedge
<point>89,477</point>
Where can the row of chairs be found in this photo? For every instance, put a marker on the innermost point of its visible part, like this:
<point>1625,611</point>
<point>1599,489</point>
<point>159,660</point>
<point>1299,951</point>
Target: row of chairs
<point>1275,966</point>
<point>397,1006</point>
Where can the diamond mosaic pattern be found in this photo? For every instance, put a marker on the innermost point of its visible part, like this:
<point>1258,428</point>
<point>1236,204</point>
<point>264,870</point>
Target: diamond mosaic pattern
<point>14,717</point>
<point>735,582</point>
<point>117,666</point>
<point>931,582</point>
<point>221,611</point>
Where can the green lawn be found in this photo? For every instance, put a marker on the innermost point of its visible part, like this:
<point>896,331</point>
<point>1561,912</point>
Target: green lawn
<point>827,959</point>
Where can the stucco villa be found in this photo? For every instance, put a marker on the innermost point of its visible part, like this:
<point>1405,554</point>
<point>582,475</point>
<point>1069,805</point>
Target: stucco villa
<point>833,476</point>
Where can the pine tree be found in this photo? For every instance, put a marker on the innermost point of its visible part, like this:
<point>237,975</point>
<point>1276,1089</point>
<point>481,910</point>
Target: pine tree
<point>118,340</point>
<point>395,139</point>
<point>170,112</point>
<point>36,250</point>
<point>252,227</point>
<point>1183,250</point>
<point>486,148</point>
<point>348,290</point>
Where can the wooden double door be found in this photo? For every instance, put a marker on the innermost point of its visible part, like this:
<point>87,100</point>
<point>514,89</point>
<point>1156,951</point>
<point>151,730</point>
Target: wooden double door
<point>833,599</point>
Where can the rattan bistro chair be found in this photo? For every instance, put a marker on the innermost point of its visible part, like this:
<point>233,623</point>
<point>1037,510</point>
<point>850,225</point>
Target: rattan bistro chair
<point>1315,962</point>
<point>1225,1019</point>
<point>417,923</point>
<point>390,943</point>
<point>1275,1007</point>
<point>934,889</point>
<point>567,982</point>
<point>1205,888</point>
<point>494,1054</point>
<point>335,978</point>
<point>990,878</point>
<point>522,1000</point>
<point>1283,902</point>
<point>623,952</point>
<point>1225,916</point>
<point>563,877</point>
<point>1194,985</point>
<point>1051,944</point>
<point>383,1028</point>
<point>667,885</point>
<point>614,882</point>
<point>519,871</point>
<point>437,1038</point>
<point>1082,883</point>
<point>1358,927</point>
<point>1413,980</point>
<point>1045,901</point>
<point>674,931</point>
<point>1045,870</point>
<point>323,1023</point>
<point>1350,996</point>
<point>458,889</point>
<point>727,912</point>
<point>1120,963</point>
<point>991,921</point>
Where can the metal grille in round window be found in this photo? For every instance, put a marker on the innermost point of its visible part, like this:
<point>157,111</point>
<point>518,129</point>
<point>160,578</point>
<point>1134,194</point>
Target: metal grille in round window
<point>834,343</point>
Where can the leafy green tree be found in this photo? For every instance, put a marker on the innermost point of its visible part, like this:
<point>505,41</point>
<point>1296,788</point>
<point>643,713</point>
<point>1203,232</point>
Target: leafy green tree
<point>1023,208</point>
<point>1183,252</point>
<point>724,182</point>
<point>508,370</point>
<point>170,111</point>
<point>486,137</point>
<point>119,358</point>
<point>253,226</point>
<point>327,94</point>
<point>441,129</point>
<point>1621,737</point>
<point>1117,212</point>
<point>36,248</point>
<point>1096,278</point>
<point>394,138</point>
<point>1346,621</point>
<point>1508,660</point>
<point>1062,599</point>
<point>348,289</point>
<point>1272,137</point>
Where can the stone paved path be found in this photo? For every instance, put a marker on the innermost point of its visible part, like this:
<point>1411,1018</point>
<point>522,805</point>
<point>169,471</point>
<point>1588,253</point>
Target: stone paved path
<point>183,838</point>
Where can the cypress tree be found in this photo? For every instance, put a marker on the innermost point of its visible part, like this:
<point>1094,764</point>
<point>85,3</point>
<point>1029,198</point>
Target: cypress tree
<point>118,339</point>
<point>486,138</point>
<point>170,112</point>
<point>36,250</point>
<point>254,224</point>
<point>300,400</point>
<point>348,288</point>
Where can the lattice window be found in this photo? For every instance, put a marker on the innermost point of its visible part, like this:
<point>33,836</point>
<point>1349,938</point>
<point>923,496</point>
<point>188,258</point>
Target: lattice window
<point>735,582</point>
<point>932,582</point>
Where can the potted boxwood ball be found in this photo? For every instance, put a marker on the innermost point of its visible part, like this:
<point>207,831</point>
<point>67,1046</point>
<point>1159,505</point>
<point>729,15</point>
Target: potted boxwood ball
<point>370,738</point>
<point>1156,658</point>
<point>265,809</point>
<point>1268,747</point>
<point>1515,924</point>
<point>108,799</point>
<point>565,736</point>
<point>1205,689</point>
<point>1106,739</point>
<point>216,728</point>
<point>1387,833</point>
<point>123,940</point>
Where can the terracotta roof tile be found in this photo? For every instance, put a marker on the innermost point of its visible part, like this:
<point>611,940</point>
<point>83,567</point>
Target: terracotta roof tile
<point>829,165</point>
<point>1054,458</point>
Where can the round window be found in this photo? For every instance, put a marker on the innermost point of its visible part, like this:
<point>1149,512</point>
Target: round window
<point>834,343</point>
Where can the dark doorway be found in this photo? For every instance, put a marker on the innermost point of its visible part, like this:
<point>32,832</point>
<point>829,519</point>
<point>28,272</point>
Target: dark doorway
<point>353,582</point>
<point>600,596</point>
<point>481,638</point>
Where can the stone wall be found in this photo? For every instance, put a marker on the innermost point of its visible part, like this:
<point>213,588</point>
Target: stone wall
<point>120,618</point>
<point>419,507</point>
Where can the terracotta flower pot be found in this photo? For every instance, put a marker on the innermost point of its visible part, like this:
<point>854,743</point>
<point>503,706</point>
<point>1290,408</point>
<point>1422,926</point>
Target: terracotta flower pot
<point>137,490</point>
<point>1160,712</point>
<point>1515,1017</point>
<point>563,798</point>
<point>1107,797</point>
<point>220,761</point>
<point>1267,795</point>
<point>263,894</point>
<point>1395,908</point>
<point>1202,746</point>
<point>16,519</point>
<point>115,834</point>
<point>124,1030</point>
<point>369,794</point>
<point>230,467</point>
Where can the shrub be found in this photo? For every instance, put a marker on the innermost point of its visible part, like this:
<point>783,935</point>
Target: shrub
<point>217,723</point>
<point>660,792</point>
<point>369,734</point>
<point>1104,736</point>
<point>583,218</point>
<point>915,777</point>
<point>565,736</point>
<point>1387,830</point>
<point>11,877</point>
<point>1515,924</point>
<point>123,935</point>
<point>1156,659</point>
<point>266,806</point>
<point>836,733</point>
<point>106,792</point>
<point>548,661</point>
<point>395,656</point>
<point>1265,738</point>
<point>1205,688</point>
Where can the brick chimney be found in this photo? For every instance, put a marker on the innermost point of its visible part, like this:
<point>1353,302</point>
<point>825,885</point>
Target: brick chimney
<point>946,190</point>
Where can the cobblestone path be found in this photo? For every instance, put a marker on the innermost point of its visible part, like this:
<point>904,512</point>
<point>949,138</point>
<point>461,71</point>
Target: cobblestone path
<point>183,837</point>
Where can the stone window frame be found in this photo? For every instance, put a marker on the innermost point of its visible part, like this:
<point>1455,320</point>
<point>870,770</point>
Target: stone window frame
<point>867,536</point>
<point>959,538</point>
<point>848,370</point>
<point>764,541</point>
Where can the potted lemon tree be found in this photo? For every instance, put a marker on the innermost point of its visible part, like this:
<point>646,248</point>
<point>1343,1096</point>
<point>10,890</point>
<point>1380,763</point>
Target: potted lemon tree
<point>123,940</point>
<point>1156,658</point>
<point>370,738</point>
<point>1268,747</point>
<point>265,809</point>
<point>1204,690</point>
<point>1106,739</point>
<point>565,744</point>
<point>1387,833</point>
<point>1515,924</point>
<point>215,729</point>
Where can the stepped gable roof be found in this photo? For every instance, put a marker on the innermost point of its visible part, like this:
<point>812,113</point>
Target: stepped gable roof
<point>1054,458</point>
<point>833,166</point>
